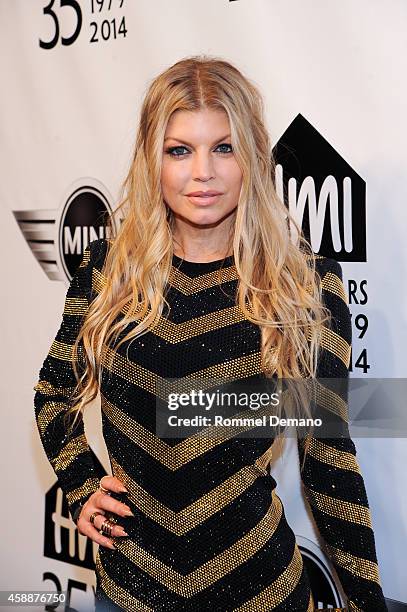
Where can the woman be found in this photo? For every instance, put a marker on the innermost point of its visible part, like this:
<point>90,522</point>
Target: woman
<point>202,279</point>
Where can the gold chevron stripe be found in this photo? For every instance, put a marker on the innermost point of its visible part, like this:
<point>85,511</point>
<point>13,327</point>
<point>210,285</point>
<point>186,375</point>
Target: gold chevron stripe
<point>328,399</point>
<point>311,603</point>
<point>353,607</point>
<point>172,458</point>
<point>342,460</point>
<point>172,332</point>
<point>213,569</point>
<point>180,281</point>
<point>339,508</point>
<point>99,281</point>
<point>134,373</point>
<point>89,486</point>
<point>334,343</point>
<point>337,345</point>
<point>46,388</point>
<point>188,449</point>
<point>188,286</point>
<point>48,413</point>
<point>61,350</point>
<point>70,452</point>
<point>182,521</point>
<point>76,306</point>
<point>179,332</point>
<point>280,589</point>
<point>242,367</point>
<point>331,282</point>
<point>115,592</point>
<point>356,565</point>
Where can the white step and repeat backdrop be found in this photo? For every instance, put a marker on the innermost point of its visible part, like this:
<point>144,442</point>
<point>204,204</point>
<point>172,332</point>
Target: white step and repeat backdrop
<point>73,74</point>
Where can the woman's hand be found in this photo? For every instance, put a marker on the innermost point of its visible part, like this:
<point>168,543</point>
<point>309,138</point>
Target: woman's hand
<point>103,503</point>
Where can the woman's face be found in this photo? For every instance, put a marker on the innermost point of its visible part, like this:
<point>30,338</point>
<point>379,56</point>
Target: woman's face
<point>198,157</point>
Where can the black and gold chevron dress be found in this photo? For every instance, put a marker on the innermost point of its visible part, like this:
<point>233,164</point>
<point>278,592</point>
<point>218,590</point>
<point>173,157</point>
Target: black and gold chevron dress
<point>209,531</point>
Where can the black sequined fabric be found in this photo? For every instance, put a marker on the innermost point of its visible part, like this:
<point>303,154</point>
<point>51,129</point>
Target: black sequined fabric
<point>209,531</point>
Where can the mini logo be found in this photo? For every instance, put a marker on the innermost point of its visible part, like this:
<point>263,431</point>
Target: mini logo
<point>58,237</point>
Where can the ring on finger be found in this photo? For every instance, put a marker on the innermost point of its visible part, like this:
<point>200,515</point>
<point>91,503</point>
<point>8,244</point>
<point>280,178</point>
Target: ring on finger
<point>93,516</point>
<point>102,488</point>
<point>106,527</point>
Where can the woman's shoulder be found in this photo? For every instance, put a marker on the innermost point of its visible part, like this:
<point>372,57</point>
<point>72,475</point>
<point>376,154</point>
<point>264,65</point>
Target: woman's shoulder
<point>331,281</point>
<point>337,339</point>
<point>98,250</point>
<point>326,265</point>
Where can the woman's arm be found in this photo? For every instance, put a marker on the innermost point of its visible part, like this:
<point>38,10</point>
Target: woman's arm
<point>331,476</point>
<point>69,455</point>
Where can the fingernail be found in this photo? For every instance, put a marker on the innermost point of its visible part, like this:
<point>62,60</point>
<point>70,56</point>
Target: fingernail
<point>123,490</point>
<point>128,513</point>
<point>122,532</point>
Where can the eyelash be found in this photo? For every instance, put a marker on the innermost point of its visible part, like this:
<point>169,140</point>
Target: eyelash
<point>171,150</point>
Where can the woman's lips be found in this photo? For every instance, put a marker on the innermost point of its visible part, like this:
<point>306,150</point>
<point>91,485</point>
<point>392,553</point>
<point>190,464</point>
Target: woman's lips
<point>204,200</point>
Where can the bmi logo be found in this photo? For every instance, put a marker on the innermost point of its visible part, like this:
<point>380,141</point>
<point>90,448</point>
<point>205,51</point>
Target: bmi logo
<point>57,237</point>
<point>62,540</point>
<point>322,192</point>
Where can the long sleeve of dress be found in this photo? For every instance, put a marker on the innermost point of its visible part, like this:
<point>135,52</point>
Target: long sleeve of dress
<point>68,453</point>
<point>332,480</point>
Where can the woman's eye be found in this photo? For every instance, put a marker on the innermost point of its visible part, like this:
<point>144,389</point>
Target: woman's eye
<point>225,144</point>
<point>173,150</point>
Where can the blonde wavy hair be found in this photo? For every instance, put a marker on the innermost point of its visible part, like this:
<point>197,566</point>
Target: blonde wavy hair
<point>278,289</point>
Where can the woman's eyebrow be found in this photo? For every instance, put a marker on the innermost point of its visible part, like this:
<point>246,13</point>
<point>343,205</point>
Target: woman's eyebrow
<point>189,144</point>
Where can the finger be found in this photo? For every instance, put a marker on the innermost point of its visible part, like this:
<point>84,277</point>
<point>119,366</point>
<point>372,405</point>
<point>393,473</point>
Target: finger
<point>109,504</point>
<point>113,484</point>
<point>117,530</point>
<point>91,532</point>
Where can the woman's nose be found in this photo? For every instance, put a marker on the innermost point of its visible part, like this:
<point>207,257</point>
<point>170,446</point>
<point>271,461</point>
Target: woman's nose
<point>203,167</point>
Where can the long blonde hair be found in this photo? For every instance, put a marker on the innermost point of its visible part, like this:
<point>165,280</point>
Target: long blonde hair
<point>279,288</point>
